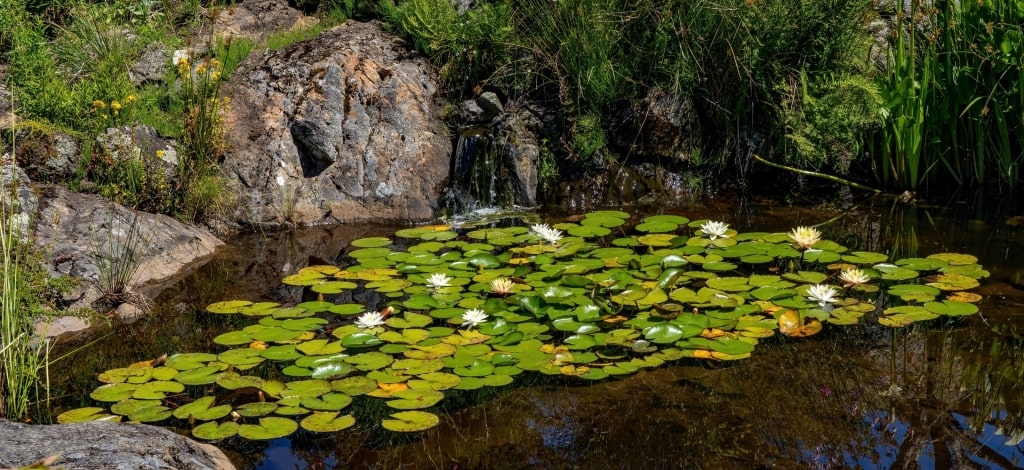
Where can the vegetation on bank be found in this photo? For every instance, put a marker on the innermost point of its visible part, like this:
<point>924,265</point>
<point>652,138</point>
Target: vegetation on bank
<point>791,81</point>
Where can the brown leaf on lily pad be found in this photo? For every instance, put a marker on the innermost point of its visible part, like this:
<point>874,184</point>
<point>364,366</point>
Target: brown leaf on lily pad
<point>791,325</point>
<point>969,297</point>
<point>712,333</point>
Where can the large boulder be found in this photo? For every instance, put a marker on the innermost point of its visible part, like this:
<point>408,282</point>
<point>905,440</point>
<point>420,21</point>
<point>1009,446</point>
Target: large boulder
<point>83,233</point>
<point>344,127</point>
<point>99,444</point>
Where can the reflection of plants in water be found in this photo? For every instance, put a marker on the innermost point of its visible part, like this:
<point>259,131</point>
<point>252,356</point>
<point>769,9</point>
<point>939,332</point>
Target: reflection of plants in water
<point>944,389</point>
<point>994,384</point>
<point>597,303</point>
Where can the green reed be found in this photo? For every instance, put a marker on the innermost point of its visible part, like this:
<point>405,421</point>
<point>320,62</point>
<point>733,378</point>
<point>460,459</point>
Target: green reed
<point>954,95</point>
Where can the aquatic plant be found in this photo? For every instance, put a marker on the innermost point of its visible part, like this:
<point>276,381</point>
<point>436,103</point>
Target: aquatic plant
<point>606,301</point>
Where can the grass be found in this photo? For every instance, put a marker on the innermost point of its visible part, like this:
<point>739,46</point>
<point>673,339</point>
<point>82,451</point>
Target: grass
<point>20,361</point>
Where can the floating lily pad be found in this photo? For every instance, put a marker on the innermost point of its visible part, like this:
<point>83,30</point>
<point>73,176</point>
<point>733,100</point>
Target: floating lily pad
<point>414,399</point>
<point>78,415</point>
<point>327,421</point>
<point>269,428</point>
<point>214,431</point>
<point>202,409</point>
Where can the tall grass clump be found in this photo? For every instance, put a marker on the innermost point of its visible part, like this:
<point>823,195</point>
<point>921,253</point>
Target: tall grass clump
<point>118,261</point>
<point>954,95</point>
<point>20,361</point>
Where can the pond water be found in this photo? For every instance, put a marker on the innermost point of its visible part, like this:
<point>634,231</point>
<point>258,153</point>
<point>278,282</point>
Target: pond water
<point>946,394</point>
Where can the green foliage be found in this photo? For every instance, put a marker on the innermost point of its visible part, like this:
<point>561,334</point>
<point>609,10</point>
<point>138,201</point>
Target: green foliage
<point>826,121</point>
<point>581,45</point>
<point>955,95</point>
<point>282,39</point>
<point>587,137</point>
<point>468,48</point>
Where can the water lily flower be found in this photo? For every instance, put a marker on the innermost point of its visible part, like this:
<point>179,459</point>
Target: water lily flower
<point>823,294</point>
<point>547,233</point>
<point>369,320</point>
<point>438,280</point>
<point>853,277</point>
<point>715,229</point>
<point>473,317</point>
<point>502,286</point>
<point>805,237</point>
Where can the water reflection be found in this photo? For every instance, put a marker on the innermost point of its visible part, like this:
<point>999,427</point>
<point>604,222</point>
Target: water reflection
<point>943,395</point>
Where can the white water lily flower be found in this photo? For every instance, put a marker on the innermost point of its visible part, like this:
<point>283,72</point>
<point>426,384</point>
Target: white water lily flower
<point>502,286</point>
<point>715,229</point>
<point>438,280</point>
<point>805,237</point>
<point>473,317</point>
<point>853,277</point>
<point>547,233</point>
<point>370,320</point>
<point>822,294</point>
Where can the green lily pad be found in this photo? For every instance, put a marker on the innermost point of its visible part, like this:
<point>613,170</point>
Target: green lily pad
<point>327,421</point>
<point>127,407</point>
<point>332,401</point>
<point>951,308</point>
<point>200,376</point>
<point>354,386</point>
<point>410,421</point>
<point>229,307</point>
<point>150,414</point>
<point>157,390</point>
<point>202,409</point>
<point>271,427</point>
<point>256,409</point>
<point>188,361</point>
<point>79,415</point>
<point>414,399</point>
<point>214,431</point>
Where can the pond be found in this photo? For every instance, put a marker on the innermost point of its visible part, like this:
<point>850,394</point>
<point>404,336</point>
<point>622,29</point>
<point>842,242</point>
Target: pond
<point>938,394</point>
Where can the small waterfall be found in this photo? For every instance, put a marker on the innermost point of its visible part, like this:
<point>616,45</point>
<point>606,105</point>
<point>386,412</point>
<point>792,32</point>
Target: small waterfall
<point>480,179</point>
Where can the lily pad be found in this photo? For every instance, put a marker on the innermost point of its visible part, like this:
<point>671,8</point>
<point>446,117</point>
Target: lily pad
<point>410,421</point>
<point>271,427</point>
<point>214,431</point>
<point>327,421</point>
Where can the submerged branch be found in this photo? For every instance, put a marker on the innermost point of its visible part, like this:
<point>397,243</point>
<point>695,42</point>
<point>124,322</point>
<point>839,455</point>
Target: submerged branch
<point>817,175</point>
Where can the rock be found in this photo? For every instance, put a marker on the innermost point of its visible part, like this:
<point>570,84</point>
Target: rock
<point>521,155</point>
<point>14,181</point>
<point>462,6</point>
<point>47,155</point>
<point>483,108</point>
<point>99,444</point>
<point>341,128</point>
<point>660,125</point>
<point>60,326</point>
<point>153,65</point>
<point>7,116</point>
<point>143,143</point>
<point>257,19</point>
<point>80,231</point>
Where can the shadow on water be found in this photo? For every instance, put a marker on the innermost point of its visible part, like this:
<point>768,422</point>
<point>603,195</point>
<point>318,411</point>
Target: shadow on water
<point>940,395</point>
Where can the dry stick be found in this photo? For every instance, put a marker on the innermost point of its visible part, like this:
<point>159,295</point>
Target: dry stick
<point>817,175</point>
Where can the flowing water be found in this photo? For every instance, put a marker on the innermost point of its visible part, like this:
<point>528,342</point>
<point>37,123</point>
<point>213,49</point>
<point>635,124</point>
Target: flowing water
<point>939,395</point>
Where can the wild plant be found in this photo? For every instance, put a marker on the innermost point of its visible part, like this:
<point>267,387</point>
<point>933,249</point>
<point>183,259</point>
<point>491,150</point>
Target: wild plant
<point>20,361</point>
<point>117,261</point>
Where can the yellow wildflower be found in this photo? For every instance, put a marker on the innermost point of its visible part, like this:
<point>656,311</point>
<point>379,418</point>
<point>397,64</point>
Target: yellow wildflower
<point>130,99</point>
<point>99,104</point>
<point>115,105</point>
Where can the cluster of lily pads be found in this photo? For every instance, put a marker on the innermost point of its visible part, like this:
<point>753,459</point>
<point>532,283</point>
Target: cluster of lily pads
<point>475,307</point>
